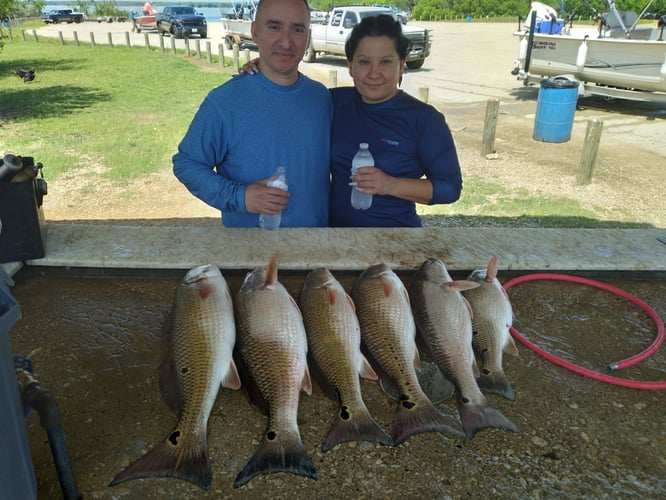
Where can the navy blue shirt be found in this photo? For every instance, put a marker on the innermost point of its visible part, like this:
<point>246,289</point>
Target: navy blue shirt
<point>408,138</point>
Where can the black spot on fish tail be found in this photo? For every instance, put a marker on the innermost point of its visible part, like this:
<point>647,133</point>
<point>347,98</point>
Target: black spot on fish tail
<point>358,426</point>
<point>173,437</point>
<point>414,417</point>
<point>495,383</point>
<point>174,457</point>
<point>482,416</point>
<point>277,452</point>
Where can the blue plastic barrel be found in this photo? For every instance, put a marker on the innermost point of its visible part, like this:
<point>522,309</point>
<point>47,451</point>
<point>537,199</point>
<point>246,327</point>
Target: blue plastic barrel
<point>556,108</point>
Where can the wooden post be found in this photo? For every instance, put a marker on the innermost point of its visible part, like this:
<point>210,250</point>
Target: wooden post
<point>220,50</point>
<point>162,43</point>
<point>146,41</point>
<point>62,40</point>
<point>23,35</point>
<point>127,40</point>
<point>590,148</point>
<point>489,127</point>
<point>187,46</point>
<point>236,54</point>
<point>209,54</point>
<point>197,47</point>
<point>76,38</point>
<point>246,53</point>
<point>423,94</point>
<point>108,35</point>
<point>92,38</point>
<point>332,78</point>
<point>34,35</point>
<point>173,45</point>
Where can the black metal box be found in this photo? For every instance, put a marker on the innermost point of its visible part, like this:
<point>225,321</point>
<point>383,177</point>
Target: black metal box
<point>23,230</point>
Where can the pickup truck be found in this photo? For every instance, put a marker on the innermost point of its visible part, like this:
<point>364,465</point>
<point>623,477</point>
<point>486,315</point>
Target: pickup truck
<point>62,16</point>
<point>330,38</point>
<point>181,21</point>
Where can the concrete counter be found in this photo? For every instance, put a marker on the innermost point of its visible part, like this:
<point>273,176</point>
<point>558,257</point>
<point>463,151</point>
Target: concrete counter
<point>146,247</point>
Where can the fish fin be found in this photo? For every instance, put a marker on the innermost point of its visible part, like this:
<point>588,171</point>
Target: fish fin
<point>271,272</point>
<point>510,348</point>
<point>475,368</point>
<point>174,457</point>
<point>295,304</point>
<point>351,302</point>
<point>277,452</point>
<point>434,382</point>
<point>232,379</point>
<point>387,285</point>
<point>417,358</point>
<point>415,416</point>
<point>248,384</point>
<point>306,382</point>
<point>495,383</point>
<point>491,271</point>
<point>365,370</point>
<point>359,426</point>
<point>461,285</point>
<point>331,295</point>
<point>168,381</point>
<point>469,308</point>
<point>481,416</point>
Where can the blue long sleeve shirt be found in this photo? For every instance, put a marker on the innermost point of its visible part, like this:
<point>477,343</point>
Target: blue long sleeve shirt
<point>407,139</point>
<point>243,131</point>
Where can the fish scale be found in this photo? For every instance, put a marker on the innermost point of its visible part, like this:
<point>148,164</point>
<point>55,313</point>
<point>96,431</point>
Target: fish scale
<point>202,335</point>
<point>388,333</point>
<point>273,347</point>
<point>444,321</point>
<point>493,317</point>
<point>334,341</point>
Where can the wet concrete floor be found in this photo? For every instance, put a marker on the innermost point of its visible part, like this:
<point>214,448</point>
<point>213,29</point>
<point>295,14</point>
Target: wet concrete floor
<point>96,341</point>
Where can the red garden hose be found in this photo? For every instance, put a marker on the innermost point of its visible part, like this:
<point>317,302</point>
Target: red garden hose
<point>625,363</point>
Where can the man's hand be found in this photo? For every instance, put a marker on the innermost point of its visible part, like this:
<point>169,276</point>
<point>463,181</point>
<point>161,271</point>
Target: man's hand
<point>261,199</point>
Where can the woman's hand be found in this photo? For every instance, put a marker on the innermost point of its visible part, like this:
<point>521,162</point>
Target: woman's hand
<point>372,180</point>
<point>250,68</point>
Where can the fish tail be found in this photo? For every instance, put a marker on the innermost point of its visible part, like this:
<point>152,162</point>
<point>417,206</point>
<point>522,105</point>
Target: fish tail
<point>172,458</point>
<point>278,453</point>
<point>414,417</point>
<point>496,383</point>
<point>480,416</point>
<point>359,426</point>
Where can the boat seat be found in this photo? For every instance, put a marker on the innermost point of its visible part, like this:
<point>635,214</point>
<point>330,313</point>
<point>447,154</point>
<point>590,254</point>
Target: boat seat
<point>611,21</point>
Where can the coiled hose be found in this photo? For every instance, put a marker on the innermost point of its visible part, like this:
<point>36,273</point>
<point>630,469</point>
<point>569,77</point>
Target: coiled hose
<point>625,363</point>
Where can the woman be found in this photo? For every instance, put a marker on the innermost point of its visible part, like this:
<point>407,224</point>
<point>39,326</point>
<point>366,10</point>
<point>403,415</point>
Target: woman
<point>414,153</point>
<point>411,144</point>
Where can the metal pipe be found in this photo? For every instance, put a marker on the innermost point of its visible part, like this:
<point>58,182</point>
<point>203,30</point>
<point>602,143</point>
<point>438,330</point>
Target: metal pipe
<point>50,418</point>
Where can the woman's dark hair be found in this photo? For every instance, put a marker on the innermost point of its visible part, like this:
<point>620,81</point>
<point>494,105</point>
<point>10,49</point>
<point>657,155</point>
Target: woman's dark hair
<point>381,25</point>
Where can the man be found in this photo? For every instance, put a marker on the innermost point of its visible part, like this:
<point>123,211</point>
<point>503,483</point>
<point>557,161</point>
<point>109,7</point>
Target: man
<point>249,126</point>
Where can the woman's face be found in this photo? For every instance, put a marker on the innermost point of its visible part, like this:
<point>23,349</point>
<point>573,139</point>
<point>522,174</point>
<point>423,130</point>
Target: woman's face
<point>376,69</point>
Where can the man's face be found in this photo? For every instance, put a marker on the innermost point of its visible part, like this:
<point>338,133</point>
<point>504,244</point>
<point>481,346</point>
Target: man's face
<point>282,32</point>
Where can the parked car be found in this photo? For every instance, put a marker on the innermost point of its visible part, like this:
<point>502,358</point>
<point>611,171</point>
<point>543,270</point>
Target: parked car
<point>181,21</point>
<point>62,16</point>
<point>398,15</point>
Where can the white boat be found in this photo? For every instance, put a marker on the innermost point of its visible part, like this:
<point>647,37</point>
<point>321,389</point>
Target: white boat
<point>616,58</point>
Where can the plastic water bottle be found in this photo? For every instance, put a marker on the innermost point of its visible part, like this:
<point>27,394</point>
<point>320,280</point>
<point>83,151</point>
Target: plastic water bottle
<point>272,222</point>
<point>362,158</point>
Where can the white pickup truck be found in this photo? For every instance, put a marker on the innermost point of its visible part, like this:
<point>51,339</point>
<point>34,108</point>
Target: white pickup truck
<point>330,38</point>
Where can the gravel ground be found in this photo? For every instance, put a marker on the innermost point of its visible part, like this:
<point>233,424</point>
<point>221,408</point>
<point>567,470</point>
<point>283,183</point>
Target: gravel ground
<point>98,343</point>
